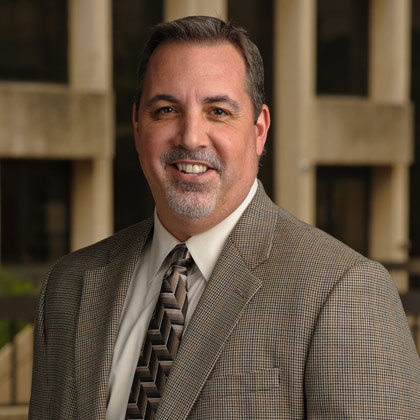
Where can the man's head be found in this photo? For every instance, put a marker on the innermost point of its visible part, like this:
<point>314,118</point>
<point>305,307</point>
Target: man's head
<point>197,132</point>
<point>209,30</point>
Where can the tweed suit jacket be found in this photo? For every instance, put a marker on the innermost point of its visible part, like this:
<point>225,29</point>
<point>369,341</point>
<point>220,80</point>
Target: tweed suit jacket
<point>292,325</point>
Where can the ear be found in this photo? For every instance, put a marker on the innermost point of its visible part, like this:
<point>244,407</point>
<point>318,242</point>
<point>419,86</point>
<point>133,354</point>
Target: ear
<point>135,121</point>
<point>261,129</point>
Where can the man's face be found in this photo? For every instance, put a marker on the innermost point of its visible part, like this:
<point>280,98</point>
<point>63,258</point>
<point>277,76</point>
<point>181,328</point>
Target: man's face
<point>195,134</point>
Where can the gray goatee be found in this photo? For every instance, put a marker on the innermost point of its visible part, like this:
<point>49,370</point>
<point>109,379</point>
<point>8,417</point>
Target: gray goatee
<point>181,195</point>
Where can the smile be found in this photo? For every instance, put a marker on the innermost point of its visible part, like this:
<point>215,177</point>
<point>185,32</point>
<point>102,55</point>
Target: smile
<point>191,169</point>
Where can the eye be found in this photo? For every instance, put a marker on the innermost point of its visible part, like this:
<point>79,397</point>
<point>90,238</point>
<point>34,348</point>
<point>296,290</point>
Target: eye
<point>165,110</point>
<point>219,112</point>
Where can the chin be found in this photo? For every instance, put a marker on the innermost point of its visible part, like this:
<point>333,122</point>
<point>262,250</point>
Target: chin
<point>190,206</point>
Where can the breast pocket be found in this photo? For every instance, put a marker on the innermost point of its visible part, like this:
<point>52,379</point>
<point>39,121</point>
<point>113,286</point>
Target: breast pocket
<point>249,395</point>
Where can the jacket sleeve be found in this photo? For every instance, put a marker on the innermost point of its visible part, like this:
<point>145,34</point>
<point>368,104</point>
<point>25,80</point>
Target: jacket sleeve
<point>40,394</point>
<point>362,362</point>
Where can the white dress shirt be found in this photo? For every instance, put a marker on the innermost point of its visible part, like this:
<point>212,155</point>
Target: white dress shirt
<point>143,293</point>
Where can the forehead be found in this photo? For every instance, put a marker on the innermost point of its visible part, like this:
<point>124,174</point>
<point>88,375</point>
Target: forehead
<point>193,63</point>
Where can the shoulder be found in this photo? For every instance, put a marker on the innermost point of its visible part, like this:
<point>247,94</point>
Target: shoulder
<point>288,246</point>
<point>69,270</point>
<point>311,262</point>
<point>65,280</point>
<point>312,244</point>
<point>103,251</point>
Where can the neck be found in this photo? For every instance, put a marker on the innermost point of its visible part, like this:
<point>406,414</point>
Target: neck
<point>183,227</point>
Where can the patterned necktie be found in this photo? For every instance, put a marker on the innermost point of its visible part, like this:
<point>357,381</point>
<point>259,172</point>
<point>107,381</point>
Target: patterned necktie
<point>162,340</point>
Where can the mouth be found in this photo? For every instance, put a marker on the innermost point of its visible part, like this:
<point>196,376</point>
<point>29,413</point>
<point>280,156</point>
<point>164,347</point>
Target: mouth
<point>191,168</point>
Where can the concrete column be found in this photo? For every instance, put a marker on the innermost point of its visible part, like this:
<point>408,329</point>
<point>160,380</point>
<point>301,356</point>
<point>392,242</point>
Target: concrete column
<point>90,69</point>
<point>92,204</point>
<point>390,28</point>
<point>294,61</point>
<point>175,9</point>
<point>389,227</point>
<point>389,203</point>
<point>90,44</point>
<point>24,357</point>
<point>389,81</point>
<point>399,181</point>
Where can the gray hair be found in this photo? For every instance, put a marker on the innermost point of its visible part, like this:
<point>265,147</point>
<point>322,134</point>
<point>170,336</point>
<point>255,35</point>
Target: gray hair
<point>208,30</point>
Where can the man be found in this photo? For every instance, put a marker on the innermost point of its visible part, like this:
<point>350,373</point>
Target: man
<point>282,322</point>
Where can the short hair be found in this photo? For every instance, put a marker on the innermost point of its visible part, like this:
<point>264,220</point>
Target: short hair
<point>208,30</point>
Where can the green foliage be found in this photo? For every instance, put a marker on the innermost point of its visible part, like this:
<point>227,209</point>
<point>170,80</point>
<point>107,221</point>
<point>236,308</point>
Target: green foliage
<point>13,285</point>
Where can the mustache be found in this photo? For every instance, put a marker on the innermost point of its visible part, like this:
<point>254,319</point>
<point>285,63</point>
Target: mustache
<point>202,155</point>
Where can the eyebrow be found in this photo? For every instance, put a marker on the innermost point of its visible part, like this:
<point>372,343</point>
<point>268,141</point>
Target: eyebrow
<point>223,99</point>
<point>162,97</point>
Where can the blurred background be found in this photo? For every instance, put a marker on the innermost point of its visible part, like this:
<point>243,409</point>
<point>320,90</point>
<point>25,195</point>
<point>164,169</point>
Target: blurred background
<point>343,86</point>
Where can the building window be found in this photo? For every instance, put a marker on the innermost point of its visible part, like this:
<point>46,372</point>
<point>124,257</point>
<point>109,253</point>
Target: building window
<point>342,47</point>
<point>35,201</point>
<point>343,204</point>
<point>33,40</point>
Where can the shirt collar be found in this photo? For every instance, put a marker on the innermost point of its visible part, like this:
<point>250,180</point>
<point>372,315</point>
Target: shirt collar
<point>162,244</point>
<point>205,256</point>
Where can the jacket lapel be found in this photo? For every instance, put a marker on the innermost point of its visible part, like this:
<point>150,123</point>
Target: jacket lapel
<point>229,290</point>
<point>102,300</point>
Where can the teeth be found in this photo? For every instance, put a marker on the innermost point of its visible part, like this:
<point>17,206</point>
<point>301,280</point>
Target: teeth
<point>191,169</point>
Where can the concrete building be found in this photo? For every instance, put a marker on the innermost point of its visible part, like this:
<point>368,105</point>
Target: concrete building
<point>73,121</point>
<point>374,131</point>
<point>339,77</point>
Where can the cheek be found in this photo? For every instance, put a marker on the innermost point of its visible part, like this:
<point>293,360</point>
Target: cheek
<point>241,150</point>
<point>226,142</point>
<point>149,158</point>
<point>149,146</point>
<point>155,139</point>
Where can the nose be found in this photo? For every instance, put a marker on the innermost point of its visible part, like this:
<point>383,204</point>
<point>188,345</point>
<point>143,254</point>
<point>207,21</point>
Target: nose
<point>193,131</point>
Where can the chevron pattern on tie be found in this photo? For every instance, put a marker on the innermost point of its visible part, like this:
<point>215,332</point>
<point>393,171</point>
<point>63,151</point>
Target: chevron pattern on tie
<point>163,338</point>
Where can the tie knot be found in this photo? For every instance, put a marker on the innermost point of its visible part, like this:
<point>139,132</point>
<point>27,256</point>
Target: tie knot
<point>181,256</point>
